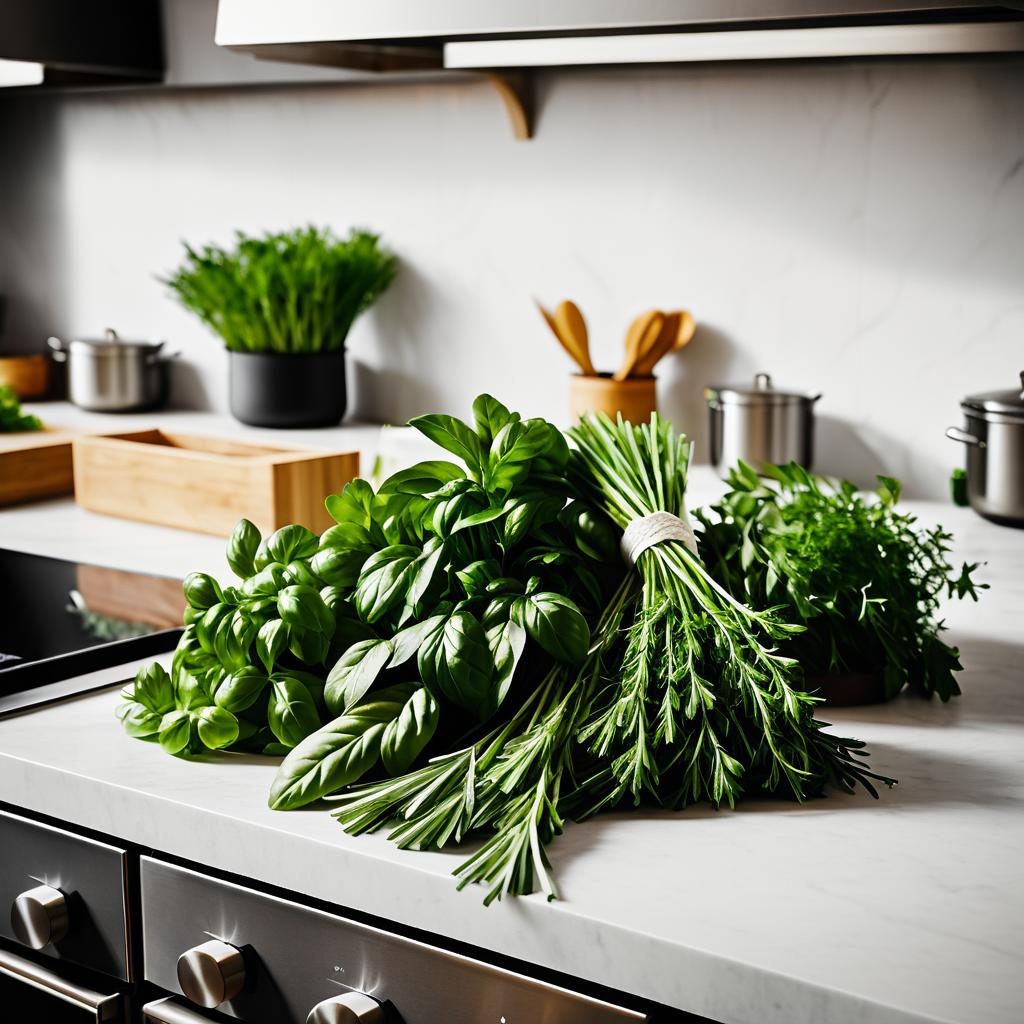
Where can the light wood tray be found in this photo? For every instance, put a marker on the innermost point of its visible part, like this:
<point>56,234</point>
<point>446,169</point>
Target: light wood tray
<point>207,484</point>
<point>34,465</point>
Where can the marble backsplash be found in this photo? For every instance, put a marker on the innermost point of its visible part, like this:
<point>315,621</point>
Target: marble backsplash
<point>852,227</point>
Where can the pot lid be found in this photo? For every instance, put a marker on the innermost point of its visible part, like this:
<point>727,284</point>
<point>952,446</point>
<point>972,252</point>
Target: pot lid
<point>112,345</point>
<point>1009,402</point>
<point>761,392</point>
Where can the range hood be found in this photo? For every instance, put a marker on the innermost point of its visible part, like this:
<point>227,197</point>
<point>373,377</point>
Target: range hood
<point>69,42</point>
<point>413,34</point>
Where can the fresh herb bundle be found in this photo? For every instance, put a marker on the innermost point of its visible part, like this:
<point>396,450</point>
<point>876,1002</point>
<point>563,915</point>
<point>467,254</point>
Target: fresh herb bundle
<point>863,578</point>
<point>468,641</point>
<point>295,291</point>
<point>12,419</point>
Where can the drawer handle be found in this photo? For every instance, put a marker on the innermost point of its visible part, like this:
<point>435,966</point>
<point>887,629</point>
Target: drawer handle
<point>103,1007</point>
<point>170,1011</point>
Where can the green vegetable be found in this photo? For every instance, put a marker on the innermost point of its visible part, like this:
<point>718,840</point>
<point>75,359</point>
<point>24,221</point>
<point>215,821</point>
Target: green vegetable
<point>12,419</point>
<point>295,291</point>
<point>864,579</point>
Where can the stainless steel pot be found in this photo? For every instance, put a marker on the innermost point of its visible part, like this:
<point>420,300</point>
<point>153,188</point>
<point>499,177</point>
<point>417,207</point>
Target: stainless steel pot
<point>111,375</point>
<point>994,437</point>
<point>760,424</point>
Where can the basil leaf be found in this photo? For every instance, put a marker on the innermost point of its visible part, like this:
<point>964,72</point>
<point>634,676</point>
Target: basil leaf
<point>217,728</point>
<point>201,591</point>
<point>192,693</point>
<point>270,641</point>
<point>354,674</point>
<point>422,478</point>
<point>405,736</point>
<point>267,582</point>
<point>385,578</point>
<point>555,623</point>
<point>310,646</point>
<point>353,505</point>
<point>301,605</point>
<point>241,689</point>
<point>488,515</point>
<point>175,731</point>
<point>477,575</point>
<point>232,639</point>
<point>209,625</point>
<point>339,567</point>
<point>153,688</point>
<point>507,641</point>
<point>455,662</point>
<point>513,449</point>
<point>338,754</point>
<point>298,572</point>
<point>490,416</point>
<point>286,545</point>
<point>243,544</point>
<point>139,721</point>
<point>422,576</point>
<point>454,436</point>
<point>292,713</point>
<point>407,643</point>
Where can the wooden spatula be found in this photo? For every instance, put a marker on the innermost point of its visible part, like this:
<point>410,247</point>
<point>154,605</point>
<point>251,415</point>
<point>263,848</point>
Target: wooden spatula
<point>573,329</point>
<point>662,343</point>
<point>562,340</point>
<point>687,328</point>
<point>642,334</point>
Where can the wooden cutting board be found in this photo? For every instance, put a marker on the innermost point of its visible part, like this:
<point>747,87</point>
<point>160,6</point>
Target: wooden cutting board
<point>34,465</point>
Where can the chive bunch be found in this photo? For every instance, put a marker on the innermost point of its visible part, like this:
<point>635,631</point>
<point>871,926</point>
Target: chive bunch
<point>296,291</point>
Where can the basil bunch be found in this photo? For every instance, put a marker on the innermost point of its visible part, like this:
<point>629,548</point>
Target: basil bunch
<point>405,620</point>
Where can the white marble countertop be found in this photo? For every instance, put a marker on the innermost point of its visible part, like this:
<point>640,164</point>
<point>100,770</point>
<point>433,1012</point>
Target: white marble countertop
<point>842,911</point>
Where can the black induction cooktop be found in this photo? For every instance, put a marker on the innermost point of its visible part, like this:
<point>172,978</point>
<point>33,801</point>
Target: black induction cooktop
<point>63,623</point>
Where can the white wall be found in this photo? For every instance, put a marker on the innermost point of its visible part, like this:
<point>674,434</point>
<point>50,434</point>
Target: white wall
<point>855,228</point>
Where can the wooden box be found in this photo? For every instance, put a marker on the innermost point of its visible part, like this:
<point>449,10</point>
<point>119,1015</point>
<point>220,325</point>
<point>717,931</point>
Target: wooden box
<point>34,465</point>
<point>207,484</point>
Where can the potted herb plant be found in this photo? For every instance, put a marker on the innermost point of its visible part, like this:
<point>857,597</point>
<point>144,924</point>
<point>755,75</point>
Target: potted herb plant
<point>283,305</point>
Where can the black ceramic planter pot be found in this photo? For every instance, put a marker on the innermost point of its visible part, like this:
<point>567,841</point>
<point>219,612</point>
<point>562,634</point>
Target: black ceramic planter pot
<point>270,389</point>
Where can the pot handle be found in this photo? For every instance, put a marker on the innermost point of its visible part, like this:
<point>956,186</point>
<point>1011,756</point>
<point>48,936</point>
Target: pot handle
<point>161,357</point>
<point>60,352</point>
<point>956,434</point>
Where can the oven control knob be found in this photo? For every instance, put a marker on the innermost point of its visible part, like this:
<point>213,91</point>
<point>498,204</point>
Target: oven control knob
<point>351,1008</point>
<point>39,916</point>
<point>211,973</point>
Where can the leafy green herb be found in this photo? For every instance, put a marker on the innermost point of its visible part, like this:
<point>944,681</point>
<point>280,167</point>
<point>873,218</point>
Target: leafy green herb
<point>296,291</point>
<point>863,578</point>
<point>12,419</point>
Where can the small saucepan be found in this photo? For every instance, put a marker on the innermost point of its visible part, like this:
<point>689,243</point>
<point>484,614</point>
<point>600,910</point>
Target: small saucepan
<point>994,438</point>
<point>110,374</point>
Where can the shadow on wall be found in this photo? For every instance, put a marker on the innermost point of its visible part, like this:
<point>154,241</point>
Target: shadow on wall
<point>189,388</point>
<point>402,381</point>
<point>709,359</point>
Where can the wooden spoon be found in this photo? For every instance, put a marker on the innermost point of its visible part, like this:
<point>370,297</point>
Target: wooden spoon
<point>687,328</point>
<point>642,334</point>
<point>562,339</point>
<point>661,344</point>
<point>573,329</point>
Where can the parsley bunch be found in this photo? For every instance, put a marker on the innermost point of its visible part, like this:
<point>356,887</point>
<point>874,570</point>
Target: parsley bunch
<point>865,579</point>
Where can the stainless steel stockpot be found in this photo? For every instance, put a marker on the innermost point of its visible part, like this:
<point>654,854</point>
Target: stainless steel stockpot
<point>760,424</point>
<point>112,375</point>
<point>994,437</point>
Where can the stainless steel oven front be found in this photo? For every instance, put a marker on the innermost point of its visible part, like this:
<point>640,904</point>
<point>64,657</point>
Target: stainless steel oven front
<point>217,946</point>
<point>64,942</point>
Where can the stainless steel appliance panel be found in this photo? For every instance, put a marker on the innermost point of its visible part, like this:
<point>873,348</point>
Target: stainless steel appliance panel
<point>32,994</point>
<point>64,895</point>
<point>298,957</point>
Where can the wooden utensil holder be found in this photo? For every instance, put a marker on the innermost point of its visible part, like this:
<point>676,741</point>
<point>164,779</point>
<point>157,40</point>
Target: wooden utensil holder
<point>635,397</point>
